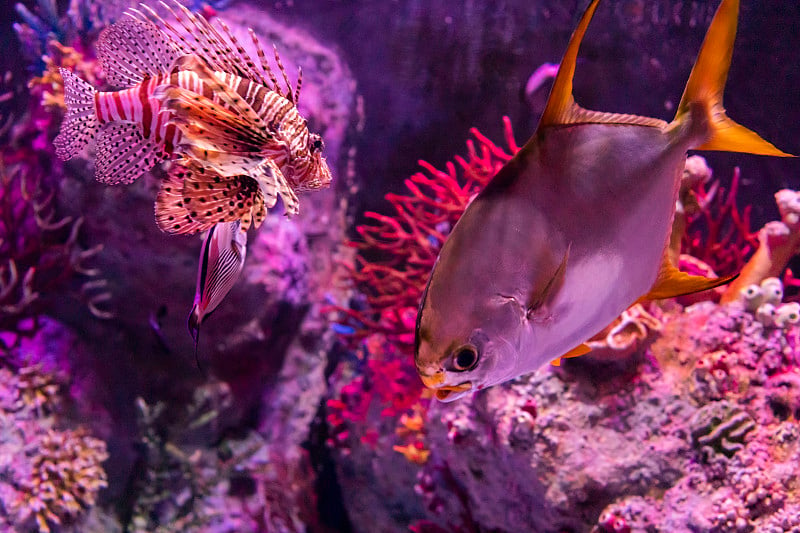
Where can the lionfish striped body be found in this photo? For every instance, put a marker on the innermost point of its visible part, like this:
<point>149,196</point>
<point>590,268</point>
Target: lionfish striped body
<point>233,137</point>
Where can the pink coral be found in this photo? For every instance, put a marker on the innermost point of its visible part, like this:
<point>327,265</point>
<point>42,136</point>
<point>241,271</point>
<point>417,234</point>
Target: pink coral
<point>408,242</point>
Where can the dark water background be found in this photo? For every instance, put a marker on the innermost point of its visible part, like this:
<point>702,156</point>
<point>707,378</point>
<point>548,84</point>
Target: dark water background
<point>430,70</point>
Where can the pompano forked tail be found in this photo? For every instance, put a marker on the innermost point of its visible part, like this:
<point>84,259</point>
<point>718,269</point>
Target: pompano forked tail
<point>221,261</point>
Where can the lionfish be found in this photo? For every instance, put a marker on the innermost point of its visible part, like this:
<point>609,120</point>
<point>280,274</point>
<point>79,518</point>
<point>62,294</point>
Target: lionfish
<point>192,96</point>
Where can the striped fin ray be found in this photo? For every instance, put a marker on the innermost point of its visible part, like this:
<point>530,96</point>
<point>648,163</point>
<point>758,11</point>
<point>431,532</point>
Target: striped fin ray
<point>132,50</point>
<point>262,57</point>
<point>221,262</point>
<point>227,96</point>
<point>219,47</point>
<point>123,155</point>
<point>273,183</point>
<point>208,124</point>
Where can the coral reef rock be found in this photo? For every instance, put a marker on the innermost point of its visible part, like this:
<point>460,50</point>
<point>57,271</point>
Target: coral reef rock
<point>697,431</point>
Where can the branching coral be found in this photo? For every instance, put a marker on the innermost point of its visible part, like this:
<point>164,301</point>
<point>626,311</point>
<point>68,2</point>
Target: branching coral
<point>396,255</point>
<point>49,87</point>
<point>716,237</point>
<point>66,475</point>
<point>39,252</point>
<point>83,20</point>
<point>397,252</point>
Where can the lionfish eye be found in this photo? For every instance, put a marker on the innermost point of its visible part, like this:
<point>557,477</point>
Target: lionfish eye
<point>465,358</point>
<point>316,144</point>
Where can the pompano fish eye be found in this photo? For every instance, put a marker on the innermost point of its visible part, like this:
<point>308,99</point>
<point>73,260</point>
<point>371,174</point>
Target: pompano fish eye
<point>465,358</point>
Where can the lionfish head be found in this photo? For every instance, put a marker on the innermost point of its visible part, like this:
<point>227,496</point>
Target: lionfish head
<point>310,170</point>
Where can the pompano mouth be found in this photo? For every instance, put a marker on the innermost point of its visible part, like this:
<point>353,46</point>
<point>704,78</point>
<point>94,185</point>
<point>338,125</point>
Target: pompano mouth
<point>449,393</point>
<point>432,381</point>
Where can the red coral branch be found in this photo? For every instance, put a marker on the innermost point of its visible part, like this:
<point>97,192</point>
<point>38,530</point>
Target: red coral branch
<point>408,241</point>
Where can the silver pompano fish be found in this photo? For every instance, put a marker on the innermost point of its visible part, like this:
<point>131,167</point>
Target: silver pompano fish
<point>572,230</point>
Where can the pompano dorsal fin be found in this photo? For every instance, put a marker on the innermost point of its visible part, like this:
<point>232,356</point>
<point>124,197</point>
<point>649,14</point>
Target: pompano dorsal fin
<point>671,282</point>
<point>561,107</point>
<point>581,349</point>
<point>561,103</point>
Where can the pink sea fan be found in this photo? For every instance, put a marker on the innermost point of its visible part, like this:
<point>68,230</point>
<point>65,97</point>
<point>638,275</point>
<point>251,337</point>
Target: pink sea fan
<point>397,252</point>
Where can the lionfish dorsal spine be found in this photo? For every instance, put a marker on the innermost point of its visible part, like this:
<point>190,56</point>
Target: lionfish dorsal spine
<point>296,98</point>
<point>249,64</point>
<point>131,50</point>
<point>283,73</point>
<point>262,58</point>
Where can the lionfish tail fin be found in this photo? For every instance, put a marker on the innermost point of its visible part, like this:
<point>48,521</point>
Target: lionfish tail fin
<point>131,50</point>
<point>80,123</point>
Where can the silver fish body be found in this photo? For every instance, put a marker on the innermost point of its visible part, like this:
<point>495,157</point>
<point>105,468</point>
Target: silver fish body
<point>573,230</point>
<point>609,214</point>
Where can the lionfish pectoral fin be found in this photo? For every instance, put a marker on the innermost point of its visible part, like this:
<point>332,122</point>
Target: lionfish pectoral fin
<point>131,50</point>
<point>273,183</point>
<point>227,95</point>
<point>671,282</point>
<point>221,262</point>
<point>80,123</point>
<point>123,154</point>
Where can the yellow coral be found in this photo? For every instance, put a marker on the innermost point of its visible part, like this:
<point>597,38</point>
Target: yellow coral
<point>414,452</point>
<point>65,478</point>
<point>49,84</point>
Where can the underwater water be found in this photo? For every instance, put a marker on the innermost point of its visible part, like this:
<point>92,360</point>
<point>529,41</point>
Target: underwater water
<point>299,408</point>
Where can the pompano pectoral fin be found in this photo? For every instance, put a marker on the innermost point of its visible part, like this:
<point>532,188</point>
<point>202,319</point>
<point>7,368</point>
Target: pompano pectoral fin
<point>581,349</point>
<point>671,282</point>
<point>707,83</point>
<point>539,297</point>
